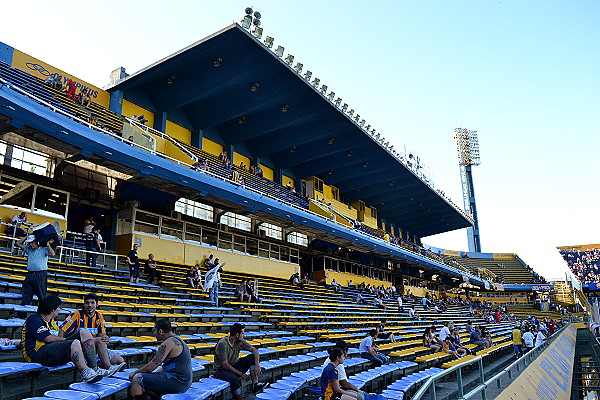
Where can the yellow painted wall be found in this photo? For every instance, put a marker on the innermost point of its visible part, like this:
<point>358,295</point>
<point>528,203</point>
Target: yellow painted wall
<point>211,146</point>
<point>416,291</point>
<point>580,247</point>
<point>187,254</point>
<point>241,263</point>
<point>504,256</point>
<point>130,108</point>
<point>343,277</point>
<point>179,132</point>
<point>452,253</point>
<point>238,158</point>
<point>365,218</point>
<point>267,172</point>
<point>328,214</point>
<point>7,212</point>
<point>173,151</point>
<point>338,206</point>
<point>42,70</point>
<point>286,179</point>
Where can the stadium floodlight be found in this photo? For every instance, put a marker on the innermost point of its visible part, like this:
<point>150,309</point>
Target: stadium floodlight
<point>367,128</point>
<point>249,11</point>
<point>351,113</point>
<point>316,82</point>
<point>257,33</point>
<point>362,123</point>
<point>345,107</point>
<point>338,101</point>
<point>289,59</point>
<point>279,51</point>
<point>331,96</point>
<point>247,22</point>
<point>357,117</point>
<point>324,89</point>
<point>308,75</point>
<point>269,41</point>
<point>256,22</point>
<point>467,145</point>
<point>257,15</point>
<point>298,67</point>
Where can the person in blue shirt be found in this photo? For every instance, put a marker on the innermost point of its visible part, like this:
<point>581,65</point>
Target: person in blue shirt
<point>475,338</point>
<point>368,350</point>
<point>330,381</point>
<point>42,343</point>
<point>36,280</point>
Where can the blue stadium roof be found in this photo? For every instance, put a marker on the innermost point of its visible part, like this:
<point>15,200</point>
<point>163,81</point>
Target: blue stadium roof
<point>312,138</point>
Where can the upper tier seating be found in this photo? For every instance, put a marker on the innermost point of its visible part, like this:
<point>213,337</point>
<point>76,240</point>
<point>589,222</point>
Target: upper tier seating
<point>510,271</point>
<point>584,264</point>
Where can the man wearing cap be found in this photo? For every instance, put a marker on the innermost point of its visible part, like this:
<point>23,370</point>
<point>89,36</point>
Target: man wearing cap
<point>36,280</point>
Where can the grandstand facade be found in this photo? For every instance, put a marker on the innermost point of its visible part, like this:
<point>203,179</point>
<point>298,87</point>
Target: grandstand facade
<point>249,159</point>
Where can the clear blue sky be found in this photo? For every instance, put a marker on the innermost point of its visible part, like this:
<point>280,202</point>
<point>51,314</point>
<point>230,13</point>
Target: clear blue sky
<point>524,74</point>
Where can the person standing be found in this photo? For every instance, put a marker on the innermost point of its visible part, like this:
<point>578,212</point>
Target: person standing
<point>173,356</point>
<point>88,225</point>
<point>151,269</point>
<point>36,280</point>
<point>92,245</point>
<point>212,283</point>
<point>133,262</point>
<point>72,87</point>
<point>517,339</point>
<point>528,339</point>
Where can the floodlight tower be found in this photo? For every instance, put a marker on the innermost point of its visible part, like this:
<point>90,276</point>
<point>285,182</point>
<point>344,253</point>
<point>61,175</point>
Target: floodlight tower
<point>468,155</point>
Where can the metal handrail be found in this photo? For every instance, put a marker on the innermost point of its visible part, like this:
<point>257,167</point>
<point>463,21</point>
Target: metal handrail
<point>162,135</point>
<point>429,384</point>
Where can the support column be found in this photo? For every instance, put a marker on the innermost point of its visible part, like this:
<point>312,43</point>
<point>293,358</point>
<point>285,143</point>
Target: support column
<point>278,176</point>
<point>229,148</point>
<point>160,121</point>
<point>116,102</point>
<point>197,136</point>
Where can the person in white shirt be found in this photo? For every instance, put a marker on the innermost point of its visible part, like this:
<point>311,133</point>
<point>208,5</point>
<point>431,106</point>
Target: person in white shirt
<point>16,222</point>
<point>400,303</point>
<point>446,330</point>
<point>528,339</point>
<point>539,338</point>
<point>341,369</point>
<point>88,225</point>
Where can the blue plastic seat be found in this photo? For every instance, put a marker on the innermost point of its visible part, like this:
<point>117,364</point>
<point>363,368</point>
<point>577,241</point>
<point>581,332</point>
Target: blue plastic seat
<point>71,395</point>
<point>274,394</point>
<point>102,390</point>
<point>191,394</point>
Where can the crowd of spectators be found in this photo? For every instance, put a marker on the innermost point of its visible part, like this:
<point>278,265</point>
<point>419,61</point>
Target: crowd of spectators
<point>584,264</point>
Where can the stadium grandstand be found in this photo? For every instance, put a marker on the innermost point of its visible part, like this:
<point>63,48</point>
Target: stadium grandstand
<point>207,155</point>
